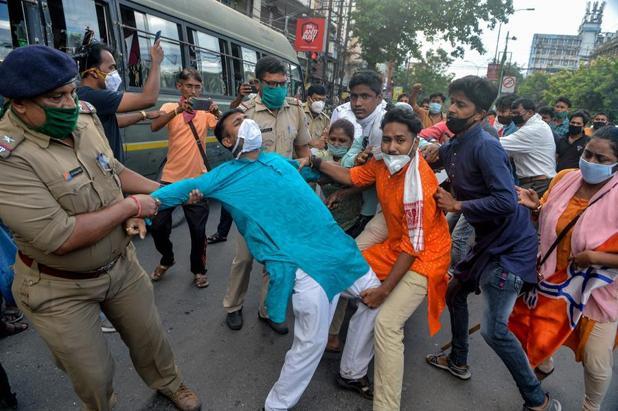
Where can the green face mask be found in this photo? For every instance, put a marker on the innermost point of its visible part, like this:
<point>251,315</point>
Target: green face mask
<point>273,97</point>
<point>561,115</point>
<point>59,122</point>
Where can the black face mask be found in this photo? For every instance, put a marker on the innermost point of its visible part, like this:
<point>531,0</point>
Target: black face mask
<point>598,124</point>
<point>457,125</point>
<point>519,120</point>
<point>505,120</point>
<point>575,130</point>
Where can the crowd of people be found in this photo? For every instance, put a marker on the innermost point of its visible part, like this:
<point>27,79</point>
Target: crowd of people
<point>384,204</point>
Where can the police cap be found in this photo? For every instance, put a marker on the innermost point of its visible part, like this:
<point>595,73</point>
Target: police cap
<point>30,71</point>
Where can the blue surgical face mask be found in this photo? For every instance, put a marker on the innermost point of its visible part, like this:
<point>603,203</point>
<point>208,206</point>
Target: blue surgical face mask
<point>337,151</point>
<point>435,108</point>
<point>594,173</point>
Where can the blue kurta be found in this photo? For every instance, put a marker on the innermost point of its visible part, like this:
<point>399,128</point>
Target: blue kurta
<point>284,222</point>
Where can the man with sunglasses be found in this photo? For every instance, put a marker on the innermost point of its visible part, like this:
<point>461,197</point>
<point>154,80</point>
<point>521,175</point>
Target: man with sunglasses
<point>284,130</point>
<point>100,86</point>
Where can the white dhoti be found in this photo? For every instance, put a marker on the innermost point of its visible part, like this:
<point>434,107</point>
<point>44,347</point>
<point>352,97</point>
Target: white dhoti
<point>312,316</point>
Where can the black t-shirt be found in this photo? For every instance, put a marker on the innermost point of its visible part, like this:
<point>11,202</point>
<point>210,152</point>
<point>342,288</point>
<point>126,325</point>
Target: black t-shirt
<point>569,154</point>
<point>106,102</point>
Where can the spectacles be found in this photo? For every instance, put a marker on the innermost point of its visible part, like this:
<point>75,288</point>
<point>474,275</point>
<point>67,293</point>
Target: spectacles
<point>275,83</point>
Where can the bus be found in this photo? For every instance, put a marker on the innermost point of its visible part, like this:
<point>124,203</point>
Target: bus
<point>221,43</point>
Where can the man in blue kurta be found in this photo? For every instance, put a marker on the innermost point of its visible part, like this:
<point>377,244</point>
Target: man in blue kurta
<point>291,232</point>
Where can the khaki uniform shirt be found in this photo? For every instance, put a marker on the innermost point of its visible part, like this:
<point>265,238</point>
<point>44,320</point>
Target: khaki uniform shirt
<point>45,183</point>
<point>317,123</point>
<point>281,131</point>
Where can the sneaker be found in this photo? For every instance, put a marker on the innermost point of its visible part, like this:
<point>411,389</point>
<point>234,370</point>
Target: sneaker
<point>107,327</point>
<point>550,405</point>
<point>443,362</point>
<point>185,399</point>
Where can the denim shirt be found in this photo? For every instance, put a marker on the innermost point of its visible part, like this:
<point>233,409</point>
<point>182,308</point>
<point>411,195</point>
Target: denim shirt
<point>478,168</point>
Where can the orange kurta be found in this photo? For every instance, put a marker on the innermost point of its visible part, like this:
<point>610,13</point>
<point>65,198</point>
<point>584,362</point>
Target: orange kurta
<point>434,260</point>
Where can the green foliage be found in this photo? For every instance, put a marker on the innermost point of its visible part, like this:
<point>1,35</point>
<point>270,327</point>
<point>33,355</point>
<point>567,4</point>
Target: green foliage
<point>592,87</point>
<point>431,72</point>
<point>389,30</point>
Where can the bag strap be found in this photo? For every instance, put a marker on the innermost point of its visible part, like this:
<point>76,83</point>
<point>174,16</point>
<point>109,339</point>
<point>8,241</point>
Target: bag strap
<point>566,229</point>
<point>199,145</point>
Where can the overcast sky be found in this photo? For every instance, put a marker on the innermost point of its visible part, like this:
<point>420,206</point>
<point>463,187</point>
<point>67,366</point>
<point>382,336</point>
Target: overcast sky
<point>549,17</point>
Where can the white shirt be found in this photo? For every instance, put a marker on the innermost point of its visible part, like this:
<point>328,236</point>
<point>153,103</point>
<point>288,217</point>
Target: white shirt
<point>532,149</point>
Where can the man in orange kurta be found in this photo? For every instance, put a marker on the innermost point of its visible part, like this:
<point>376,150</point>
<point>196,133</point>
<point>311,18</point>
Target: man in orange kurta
<point>408,273</point>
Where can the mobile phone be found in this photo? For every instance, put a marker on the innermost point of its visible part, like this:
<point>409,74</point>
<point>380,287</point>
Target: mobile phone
<point>201,104</point>
<point>157,36</point>
<point>254,89</point>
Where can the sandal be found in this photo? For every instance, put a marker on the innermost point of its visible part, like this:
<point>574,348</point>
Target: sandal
<point>7,329</point>
<point>334,344</point>
<point>443,362</point>
<point>360,385</point>
<point>12,314</point>
<point>159,271</point>
<point>201,281</point>
<point>216,238</point>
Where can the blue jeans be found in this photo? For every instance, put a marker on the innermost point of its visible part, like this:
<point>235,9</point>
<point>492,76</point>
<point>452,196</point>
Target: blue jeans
<point>462,240</point>
<point>499,291</point>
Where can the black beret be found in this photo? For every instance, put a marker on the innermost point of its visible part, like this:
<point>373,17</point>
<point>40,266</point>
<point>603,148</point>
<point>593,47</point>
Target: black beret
<point>30,71</point>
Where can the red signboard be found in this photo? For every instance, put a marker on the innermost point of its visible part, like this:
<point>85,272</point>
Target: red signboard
<point>310,34</point>
<point>492,71</point>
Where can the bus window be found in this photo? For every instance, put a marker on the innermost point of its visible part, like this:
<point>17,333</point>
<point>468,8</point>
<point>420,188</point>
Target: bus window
<point>249,59</point>
<point>69,19</point>
<point>296,82</point>
<point>207,60</point>
<point>105,24</point>
<point>244,60</point>
<point>6,44</point>
<point>138,44</point>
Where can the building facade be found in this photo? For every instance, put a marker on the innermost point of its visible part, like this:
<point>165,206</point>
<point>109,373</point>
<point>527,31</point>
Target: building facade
<point>555,52</point>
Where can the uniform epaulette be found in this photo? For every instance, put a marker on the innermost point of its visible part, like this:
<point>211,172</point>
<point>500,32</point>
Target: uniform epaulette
<point>293,101</point>
<point>247,105</point>
<point>8,144</point>
<point>86,108</point>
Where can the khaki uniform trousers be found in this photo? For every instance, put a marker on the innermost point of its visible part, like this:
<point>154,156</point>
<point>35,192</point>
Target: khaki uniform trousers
<point>375,232</point>
<point>238,283</point>
<point>65,313</point>
<point>389,348</point>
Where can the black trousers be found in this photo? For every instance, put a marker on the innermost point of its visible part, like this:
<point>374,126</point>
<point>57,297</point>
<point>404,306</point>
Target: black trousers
<point>197,216</point>
<point>225,223</point>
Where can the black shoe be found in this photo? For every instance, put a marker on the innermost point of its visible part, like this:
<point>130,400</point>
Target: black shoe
<point>216,238</point>
<point>279,328</point>
<point>360,385</point>
<point>234,320</point>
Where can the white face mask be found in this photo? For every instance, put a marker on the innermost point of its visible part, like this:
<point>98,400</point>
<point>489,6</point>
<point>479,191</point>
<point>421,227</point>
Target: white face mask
<point>251,136</point>
<point>317,107</point>
<point>395,162</point>
<point>113,81</point>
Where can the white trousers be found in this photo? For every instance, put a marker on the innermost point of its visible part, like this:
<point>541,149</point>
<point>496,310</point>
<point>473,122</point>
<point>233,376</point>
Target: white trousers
<point>312,315</point>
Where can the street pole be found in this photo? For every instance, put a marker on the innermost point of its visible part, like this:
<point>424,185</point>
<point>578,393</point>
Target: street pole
<point>502,64</point>
<point>345,44</point>
<point>497,43</point>
<point>338,62</point>
<point>325,67</point>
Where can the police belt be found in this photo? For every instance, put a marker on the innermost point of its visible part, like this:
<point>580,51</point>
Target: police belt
<point>69,275</point>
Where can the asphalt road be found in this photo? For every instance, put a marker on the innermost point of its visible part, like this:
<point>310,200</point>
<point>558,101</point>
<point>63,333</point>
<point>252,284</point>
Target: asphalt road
<point>234,370</point>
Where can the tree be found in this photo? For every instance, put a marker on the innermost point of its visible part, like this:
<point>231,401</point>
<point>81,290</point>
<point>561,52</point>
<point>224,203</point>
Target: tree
<point>591,87</point>
<point>534,86</point>
<point>390,31</point>
<point>431,72</point>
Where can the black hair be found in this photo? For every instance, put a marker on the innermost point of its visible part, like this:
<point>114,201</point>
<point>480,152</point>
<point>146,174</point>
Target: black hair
<point>478,90</point>
<point>368,78</point>
<point>90,56</point>
<point>504,102</point>
<point>442,96</point>
<point>399,115</point>
<point>316,89</point>
<point>219,126</point>
<point>491,113</point>
<point>565,100</point>
<point>601,113</point>
<point>581,114</point>
<point>425,101</point>
<point>345,125</point>
<point>526,103</point>
<point>401,96</point>
<point>187,73</point>
<point>269,64</point>
<point>546,111</point>
<point>608,133</point>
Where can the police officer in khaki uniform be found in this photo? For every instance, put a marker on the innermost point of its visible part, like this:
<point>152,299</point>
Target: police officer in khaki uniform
<point>316,119</point>
<point>61,193</point>
<point>284,131</point>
